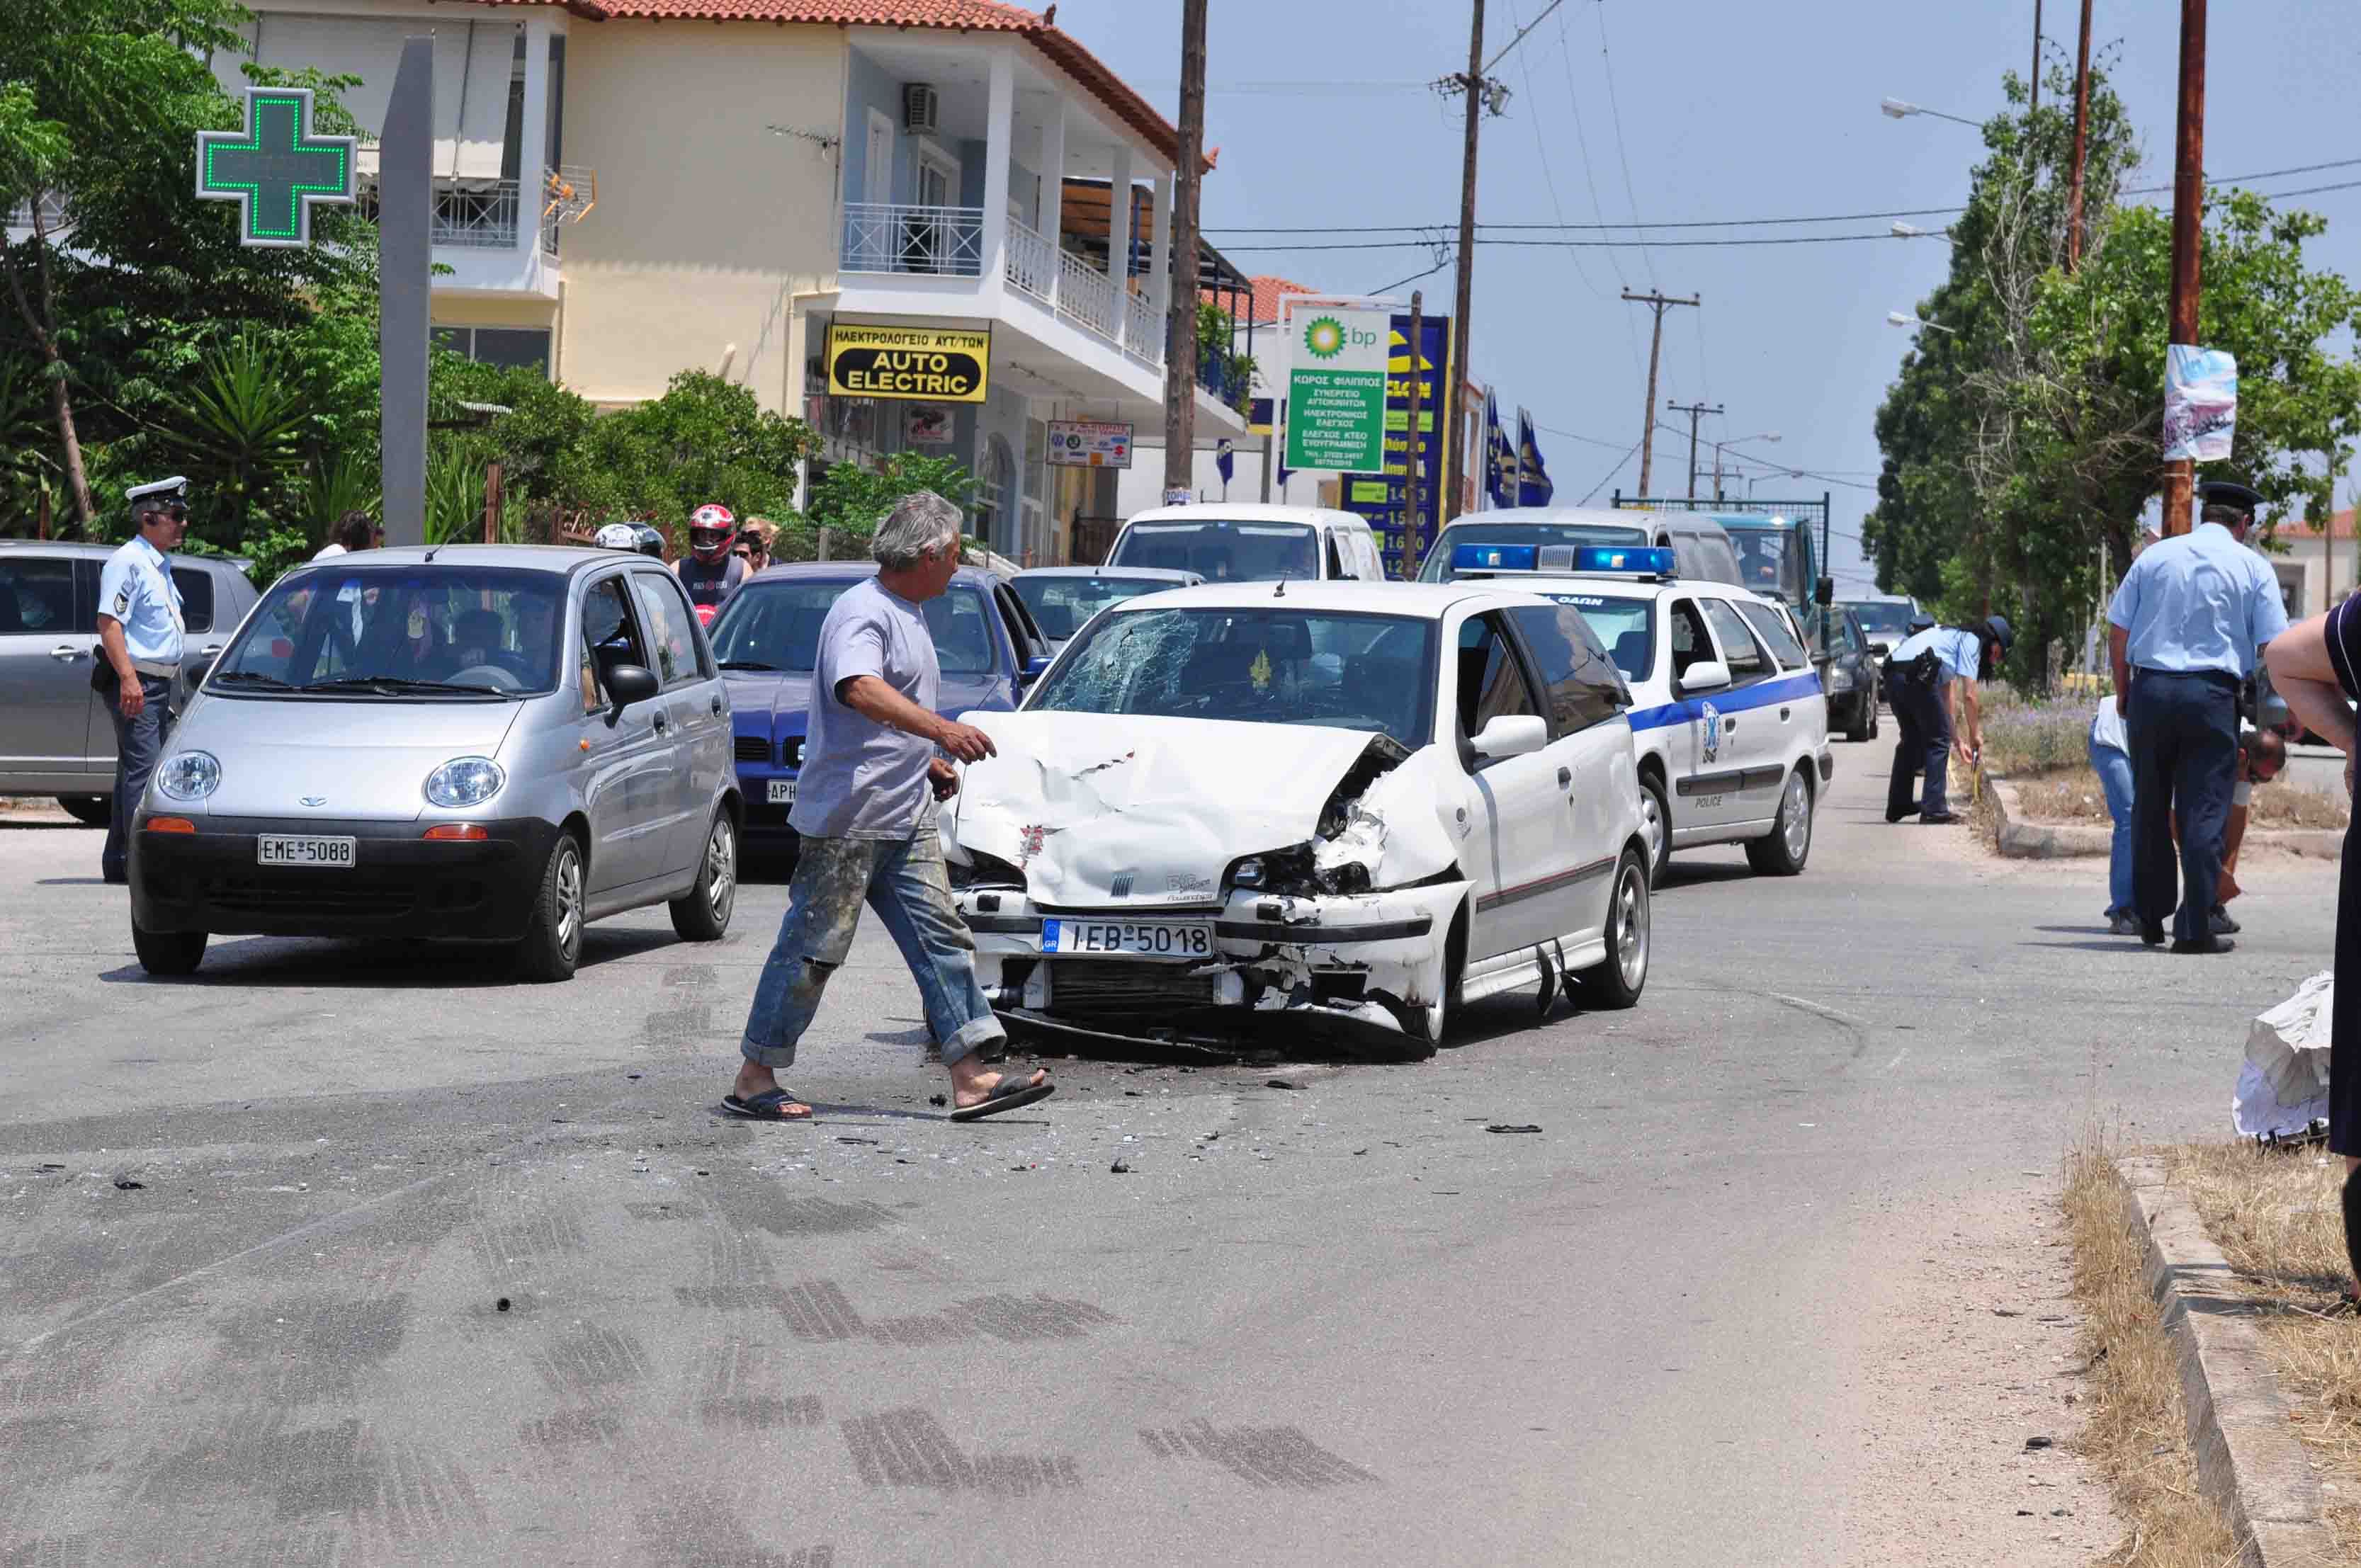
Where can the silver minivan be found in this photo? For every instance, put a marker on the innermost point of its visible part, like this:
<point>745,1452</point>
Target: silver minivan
<point>495,743</point>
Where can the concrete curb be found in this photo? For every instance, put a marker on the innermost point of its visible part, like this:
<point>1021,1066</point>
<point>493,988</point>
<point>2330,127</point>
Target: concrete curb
<point>2022,841</point>
<point>2248,1463</point>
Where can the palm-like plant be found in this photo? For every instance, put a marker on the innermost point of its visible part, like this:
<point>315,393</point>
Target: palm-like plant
<point>243,426</point>
<point>338,483</point>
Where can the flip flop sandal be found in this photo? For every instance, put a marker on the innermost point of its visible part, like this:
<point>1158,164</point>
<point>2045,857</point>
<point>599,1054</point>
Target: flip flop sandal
<point>766,1106</point>
<point>1008,1094</point>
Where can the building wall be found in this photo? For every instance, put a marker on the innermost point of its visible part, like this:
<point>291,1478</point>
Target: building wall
<point>705,235</point>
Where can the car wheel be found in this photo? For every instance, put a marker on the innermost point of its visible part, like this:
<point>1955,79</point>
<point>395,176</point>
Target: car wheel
<point>1618,977</point>
<point>702,914</point>
<point>1872,716</point>
<point>1864,716</point>
<point>1783,851</point>
<point>552,937</point>
<point>169,952</point>
<point>1656,825</point>
<point>90,810</point>
<point>1430,1024</point>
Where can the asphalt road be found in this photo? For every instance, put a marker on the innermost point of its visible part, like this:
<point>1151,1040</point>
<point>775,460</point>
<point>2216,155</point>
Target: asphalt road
<point>256,1231</point>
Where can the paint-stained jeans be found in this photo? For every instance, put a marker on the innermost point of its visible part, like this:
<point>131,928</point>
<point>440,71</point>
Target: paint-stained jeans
<point>907,884</point>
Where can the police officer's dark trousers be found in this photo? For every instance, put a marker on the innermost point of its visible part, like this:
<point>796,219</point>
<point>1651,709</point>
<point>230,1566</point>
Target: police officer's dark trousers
<point>138,746</point>
<point>2184,736</point>
<point>1924,720</point>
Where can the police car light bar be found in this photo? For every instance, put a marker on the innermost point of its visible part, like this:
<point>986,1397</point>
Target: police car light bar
<point>1643,561</point>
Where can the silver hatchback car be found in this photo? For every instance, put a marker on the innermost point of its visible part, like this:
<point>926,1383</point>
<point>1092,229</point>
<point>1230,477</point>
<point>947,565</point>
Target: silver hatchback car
<point>492,744</point>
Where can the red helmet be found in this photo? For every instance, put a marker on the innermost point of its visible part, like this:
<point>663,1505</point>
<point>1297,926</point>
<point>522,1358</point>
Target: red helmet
<point>710,529</point>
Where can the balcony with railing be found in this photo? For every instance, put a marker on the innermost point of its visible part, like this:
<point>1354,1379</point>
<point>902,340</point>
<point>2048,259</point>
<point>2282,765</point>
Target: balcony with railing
<point>899,238</point>
<point>477,214</point>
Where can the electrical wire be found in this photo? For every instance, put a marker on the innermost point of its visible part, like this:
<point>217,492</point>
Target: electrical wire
<point>1540,146</point>
<point>1615,117</point>
<point>1508,48</point>
<point>1591,244</point>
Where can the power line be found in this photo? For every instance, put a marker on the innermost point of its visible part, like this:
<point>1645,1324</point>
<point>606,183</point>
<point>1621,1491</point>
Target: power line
<point>1622,153</point>
<point>1610,473</point>
<point>1587,244</point>
<point>1512,43</point>
<point>1540,146</point>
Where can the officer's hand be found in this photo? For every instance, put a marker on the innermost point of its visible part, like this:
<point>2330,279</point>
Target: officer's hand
<point>132,700</point>
<point>2122,705</point>
<point>964,741</point>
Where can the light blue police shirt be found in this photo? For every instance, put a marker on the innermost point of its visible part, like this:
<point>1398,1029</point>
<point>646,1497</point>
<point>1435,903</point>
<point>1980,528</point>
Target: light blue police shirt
<point>1958,652</point>
<point>2202,601</point>
<point>136,589</point>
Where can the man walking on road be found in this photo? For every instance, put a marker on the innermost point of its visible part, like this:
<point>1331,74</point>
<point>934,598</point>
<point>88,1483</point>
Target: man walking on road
<point>1933,674</point>
<point>2189,621</point>
<point>141,634</point>
<point>865,815</point>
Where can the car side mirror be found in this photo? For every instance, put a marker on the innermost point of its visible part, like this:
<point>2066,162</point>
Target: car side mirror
<point>1705,675</point>
<point>1033,669</point>
<point>1511,735</point>
<point>628,684</point>
<point>1824,592</point>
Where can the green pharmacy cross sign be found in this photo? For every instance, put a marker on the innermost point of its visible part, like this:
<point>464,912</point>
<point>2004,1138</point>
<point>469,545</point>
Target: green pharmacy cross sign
<point>275,169</point>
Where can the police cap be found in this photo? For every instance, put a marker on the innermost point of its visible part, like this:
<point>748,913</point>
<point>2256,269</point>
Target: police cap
<point>2001,631</point>
<point>163,493</point>
<point>2230,493</point>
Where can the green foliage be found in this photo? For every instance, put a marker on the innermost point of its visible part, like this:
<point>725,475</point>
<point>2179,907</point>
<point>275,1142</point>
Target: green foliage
<point>855,499</point>
<point>455,495</point>
<point>337,482</point>
<point>2027,437</point>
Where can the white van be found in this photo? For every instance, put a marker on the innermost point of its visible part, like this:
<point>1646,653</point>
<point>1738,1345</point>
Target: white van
<point>1228,543</point>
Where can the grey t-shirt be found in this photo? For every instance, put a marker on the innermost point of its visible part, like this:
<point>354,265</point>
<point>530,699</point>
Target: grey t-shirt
<point>861,779</point>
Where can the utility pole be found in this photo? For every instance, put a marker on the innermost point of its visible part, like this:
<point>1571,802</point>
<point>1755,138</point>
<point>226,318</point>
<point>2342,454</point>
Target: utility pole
<point>2082,132</point>
<point>2187,228</point>
<point>1481,94</point>
<point>1658,304</point>
<point>2035,80</point>
<point>1180,325</point>
<point>1694,411</point>
<point>1413,518</point>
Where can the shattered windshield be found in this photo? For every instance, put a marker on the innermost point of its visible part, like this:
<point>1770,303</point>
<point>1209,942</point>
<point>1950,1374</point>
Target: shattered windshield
<point>1261,666</point>
<point>1220,551</point>
<point>400,633</point>
<point>775,626</point>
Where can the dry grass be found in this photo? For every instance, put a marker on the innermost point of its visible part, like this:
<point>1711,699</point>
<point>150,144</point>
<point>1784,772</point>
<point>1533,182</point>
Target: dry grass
<point>2073,795</point>
<point>2278,1218</point>
<point>2137,1436</point>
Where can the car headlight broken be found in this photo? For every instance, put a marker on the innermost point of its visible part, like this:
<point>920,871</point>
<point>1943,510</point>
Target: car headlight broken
<point>465,781</point>
<point>188,775</point>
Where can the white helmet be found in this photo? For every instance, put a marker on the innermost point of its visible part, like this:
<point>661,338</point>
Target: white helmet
<point>617,536</point>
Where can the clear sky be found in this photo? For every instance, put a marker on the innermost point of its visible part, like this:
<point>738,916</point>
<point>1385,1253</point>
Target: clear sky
<point>1727,109</point>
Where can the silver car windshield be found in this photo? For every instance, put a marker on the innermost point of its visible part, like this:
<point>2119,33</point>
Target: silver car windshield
<point>1262,666</point>
<point>414,633</point>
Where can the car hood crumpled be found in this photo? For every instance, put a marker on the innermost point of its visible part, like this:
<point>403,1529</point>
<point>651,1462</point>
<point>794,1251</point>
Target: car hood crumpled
<point>1117,811</point>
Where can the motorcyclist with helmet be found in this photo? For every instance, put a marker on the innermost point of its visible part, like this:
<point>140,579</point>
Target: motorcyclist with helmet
<point>710,571</point>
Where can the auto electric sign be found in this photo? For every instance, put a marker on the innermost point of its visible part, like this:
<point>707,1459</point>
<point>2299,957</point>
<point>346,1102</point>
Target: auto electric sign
<point>931,363</point>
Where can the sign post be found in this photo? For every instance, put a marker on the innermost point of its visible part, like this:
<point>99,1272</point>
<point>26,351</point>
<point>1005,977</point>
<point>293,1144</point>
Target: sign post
<point>405,207</point>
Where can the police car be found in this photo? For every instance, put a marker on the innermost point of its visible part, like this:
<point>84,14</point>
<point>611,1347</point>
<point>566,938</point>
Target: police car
<point>1729,723</point>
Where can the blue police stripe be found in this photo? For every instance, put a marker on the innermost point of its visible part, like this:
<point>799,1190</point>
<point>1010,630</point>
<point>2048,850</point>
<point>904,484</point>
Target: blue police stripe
<point>1762,694</point>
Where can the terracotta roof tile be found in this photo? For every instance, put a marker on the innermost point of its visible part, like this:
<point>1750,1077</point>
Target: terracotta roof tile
<point>964,15</point>
<point>1266,292</point>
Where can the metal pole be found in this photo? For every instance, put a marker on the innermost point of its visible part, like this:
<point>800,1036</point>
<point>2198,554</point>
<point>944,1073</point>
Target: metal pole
<point>405,207</point>
<point>2081,130</point>
<point>2035,80</point>
<point>1180,324</point>
<point>1413,518</point>
<point>2188,229</point>
<point>1464,305</point>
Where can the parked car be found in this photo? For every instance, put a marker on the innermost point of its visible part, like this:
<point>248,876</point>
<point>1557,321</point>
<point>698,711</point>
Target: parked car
<point>1727,718</point>
<point>493,743</point>
<point>1851,678</point>
<point>1063,599</point>
<point>767,639</point>
<point>1227,542</point>
<point>1347,809</point>
<point>1885,620</point>
<point>55,735</point>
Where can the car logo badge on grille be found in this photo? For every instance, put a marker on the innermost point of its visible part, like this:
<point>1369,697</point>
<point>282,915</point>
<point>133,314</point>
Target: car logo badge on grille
<point>315,800</point>
<point>1120,887</point>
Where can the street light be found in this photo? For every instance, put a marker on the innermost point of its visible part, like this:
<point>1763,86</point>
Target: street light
<point>1754,480</point>
<point>1896,109</point>
<point>1771,435</point>
<point>1912,231</point>
<point>1896,318</point>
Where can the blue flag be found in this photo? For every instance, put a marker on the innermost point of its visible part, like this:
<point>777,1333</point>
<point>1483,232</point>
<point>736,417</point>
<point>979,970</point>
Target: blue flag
<point>1500,458</point>
<point>1533,486</point>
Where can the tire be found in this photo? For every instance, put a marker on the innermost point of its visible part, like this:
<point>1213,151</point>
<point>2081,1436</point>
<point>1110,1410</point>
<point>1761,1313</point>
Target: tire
<point>1872,715</point>
<point>702,914</point>
<point>169,953</point>
<point>1618,979</point>
<point>1655,804</point>
<point>1783,849</point>
<point>90,810</point>
<point>1429,1026</point>
<point>552,937</point>
<point>1864,716</point>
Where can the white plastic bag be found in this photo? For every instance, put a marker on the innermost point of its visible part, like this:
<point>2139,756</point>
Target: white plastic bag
<point>2257,1112</point>
<point>2289,1043</point>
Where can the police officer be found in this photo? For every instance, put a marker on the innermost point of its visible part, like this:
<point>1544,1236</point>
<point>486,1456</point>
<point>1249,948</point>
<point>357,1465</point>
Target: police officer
<point>2189,621</point>
<point>139,635</point>
<point>1929,677</point>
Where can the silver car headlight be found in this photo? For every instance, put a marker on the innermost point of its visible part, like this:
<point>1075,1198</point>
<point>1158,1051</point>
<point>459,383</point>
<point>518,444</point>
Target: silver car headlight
<point>465,781</point>
<point>188,775</point>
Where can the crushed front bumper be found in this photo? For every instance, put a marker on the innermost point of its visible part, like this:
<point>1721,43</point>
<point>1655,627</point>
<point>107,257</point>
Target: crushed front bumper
<point>1358,968</point>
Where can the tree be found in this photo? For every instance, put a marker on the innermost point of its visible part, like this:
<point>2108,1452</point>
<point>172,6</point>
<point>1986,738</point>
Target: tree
<point>2023,433</point>
<point>856,499</point>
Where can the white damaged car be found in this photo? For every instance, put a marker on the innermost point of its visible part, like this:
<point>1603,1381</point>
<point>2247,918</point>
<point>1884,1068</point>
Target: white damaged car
<point>1338,805</point>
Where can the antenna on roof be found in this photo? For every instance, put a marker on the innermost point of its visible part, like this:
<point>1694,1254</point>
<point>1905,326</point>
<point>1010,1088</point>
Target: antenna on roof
<point>1281,592</point>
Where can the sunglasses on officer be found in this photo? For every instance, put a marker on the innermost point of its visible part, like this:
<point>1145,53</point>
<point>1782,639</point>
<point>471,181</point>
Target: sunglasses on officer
<point>176,511</point>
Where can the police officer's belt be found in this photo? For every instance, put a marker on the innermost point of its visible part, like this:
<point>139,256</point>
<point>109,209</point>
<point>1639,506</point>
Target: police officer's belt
<point>156,667</point>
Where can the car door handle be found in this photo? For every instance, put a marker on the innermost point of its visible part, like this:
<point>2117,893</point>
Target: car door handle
<point>716,707</point>
<point>65,651</point>
<point>1729,724</point>
<point>1565,778</point>
<point>1783,714</point>
<point>209,650</point>
<point>660,723</point>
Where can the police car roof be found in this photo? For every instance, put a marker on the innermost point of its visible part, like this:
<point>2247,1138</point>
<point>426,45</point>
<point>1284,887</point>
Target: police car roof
<point>1624,585</point>
<point>1584,517</point>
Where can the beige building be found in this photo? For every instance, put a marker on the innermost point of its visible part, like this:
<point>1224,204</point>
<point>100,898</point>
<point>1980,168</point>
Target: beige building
<point>627,188</point>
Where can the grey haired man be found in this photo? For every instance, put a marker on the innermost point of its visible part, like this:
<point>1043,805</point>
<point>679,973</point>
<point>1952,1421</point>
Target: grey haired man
<point>864,814</point>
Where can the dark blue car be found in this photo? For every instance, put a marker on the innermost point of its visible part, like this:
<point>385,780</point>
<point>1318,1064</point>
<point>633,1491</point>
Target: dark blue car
<point>767,638</point>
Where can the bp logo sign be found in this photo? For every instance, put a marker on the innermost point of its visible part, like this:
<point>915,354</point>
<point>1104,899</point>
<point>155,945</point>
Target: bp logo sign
<point>1325,337</point>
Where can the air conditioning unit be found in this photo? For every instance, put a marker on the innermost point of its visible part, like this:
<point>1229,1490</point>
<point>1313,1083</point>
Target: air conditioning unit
<point>922,108</point>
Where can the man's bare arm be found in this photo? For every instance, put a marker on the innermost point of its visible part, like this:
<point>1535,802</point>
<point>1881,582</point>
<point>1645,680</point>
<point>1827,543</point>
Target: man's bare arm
<point>874,699</point>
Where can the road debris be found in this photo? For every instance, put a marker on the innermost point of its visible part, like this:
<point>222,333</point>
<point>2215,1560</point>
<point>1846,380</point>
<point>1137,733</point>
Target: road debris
<point>501,1305</point>
<point>1118,1168</point>
<point>1514,1128</point>
<point>125,1184</point>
